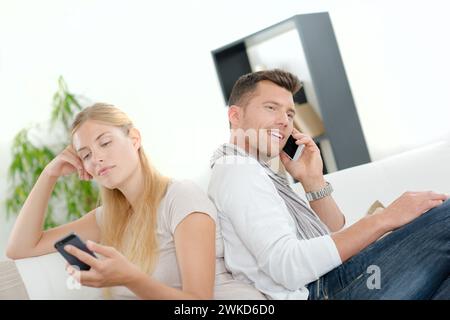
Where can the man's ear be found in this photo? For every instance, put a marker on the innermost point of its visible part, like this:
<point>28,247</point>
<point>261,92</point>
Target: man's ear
<point>234,115</point>
<point>135,136</point>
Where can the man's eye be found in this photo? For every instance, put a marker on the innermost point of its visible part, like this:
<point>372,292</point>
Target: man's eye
<point>270,107</point>
<point>105,144</point>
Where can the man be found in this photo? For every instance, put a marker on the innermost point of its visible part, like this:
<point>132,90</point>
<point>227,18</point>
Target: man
<point>291,250</point>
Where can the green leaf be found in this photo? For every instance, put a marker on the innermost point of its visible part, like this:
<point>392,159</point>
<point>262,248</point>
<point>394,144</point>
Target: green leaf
<point>28,162</point>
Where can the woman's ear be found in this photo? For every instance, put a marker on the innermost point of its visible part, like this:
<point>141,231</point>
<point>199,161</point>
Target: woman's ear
<point>135,137</point>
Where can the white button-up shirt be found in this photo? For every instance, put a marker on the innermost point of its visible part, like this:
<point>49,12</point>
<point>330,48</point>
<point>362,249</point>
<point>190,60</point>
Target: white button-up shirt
<point>260,241</point>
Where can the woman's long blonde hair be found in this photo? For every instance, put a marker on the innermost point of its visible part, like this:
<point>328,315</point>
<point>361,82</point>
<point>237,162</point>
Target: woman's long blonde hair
<point>133,233</point>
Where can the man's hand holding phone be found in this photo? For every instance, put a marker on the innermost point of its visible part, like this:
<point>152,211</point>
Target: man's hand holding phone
<point>308,169</point>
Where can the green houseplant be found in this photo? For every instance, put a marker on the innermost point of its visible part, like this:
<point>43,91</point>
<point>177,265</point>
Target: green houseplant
<point>71,197</point>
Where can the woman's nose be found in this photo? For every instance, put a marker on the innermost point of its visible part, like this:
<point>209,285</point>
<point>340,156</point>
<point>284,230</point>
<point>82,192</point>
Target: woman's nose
<point>97,157</point>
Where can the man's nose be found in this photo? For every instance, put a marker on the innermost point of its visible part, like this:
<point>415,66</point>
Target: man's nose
<point>283,119</point>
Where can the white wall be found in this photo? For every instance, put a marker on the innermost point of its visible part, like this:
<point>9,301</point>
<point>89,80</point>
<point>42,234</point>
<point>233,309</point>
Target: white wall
<point>153,60</point>
<point>285,51</point>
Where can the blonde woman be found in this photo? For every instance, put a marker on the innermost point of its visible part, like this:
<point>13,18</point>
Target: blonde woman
<point>159,239</point>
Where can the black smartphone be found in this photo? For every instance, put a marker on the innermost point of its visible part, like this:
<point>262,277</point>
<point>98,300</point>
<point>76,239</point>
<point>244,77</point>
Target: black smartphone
<point>293,150</point>
<point>75,241</point>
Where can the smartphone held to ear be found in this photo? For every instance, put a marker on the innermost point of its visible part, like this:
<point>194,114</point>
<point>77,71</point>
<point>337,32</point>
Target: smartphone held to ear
<point>293,150</point>
<point>75,241</point>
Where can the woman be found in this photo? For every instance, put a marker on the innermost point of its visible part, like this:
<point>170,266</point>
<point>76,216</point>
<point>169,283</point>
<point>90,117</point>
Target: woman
<point>158,235</point>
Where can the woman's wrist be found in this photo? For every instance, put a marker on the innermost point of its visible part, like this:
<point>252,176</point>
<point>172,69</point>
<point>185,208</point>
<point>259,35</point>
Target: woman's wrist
<point>48,176</point>
<point>47,173</point>
<point>136,277</point>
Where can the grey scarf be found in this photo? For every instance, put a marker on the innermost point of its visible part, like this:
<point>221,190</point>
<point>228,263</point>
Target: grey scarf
<point>308,223</point>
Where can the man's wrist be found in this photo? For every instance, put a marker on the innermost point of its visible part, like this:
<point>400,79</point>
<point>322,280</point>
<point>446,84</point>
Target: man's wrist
<point>384,221</point>
<point>312,185</point>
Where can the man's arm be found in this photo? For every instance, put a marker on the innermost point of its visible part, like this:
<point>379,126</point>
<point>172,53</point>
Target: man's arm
<point>403,210</point>
<point>358,236</point>
<point>350,241</point>
<point>308,169</point>
<point>326,208</point>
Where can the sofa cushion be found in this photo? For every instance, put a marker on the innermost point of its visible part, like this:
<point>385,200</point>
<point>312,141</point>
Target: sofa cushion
<point>45,277</point>
<point>356,189</point>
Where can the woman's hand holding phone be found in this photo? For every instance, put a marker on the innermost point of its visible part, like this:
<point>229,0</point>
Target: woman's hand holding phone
<point>112,269</point>
<point>66,163</point>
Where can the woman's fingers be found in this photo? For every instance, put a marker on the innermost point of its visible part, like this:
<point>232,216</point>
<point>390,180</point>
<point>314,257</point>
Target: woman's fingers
<point>75,162</point>
<point>83,256</point>
<point>105,251</point>
<point>69,155</point>
<point>82,174</point>
<point>86,278</point>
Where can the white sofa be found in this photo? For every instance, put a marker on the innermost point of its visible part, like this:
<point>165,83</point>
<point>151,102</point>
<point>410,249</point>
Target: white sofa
<point>422,169</point>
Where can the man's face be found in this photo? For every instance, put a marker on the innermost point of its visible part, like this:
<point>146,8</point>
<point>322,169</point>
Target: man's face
<point>267,119</point>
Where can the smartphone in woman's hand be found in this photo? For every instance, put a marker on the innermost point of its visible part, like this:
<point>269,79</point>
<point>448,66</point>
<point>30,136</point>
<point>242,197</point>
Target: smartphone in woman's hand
<point>75,241</point>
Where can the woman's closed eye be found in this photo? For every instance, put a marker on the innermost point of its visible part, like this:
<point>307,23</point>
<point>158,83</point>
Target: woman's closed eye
<point>86,156</point>
<point>104,144</point>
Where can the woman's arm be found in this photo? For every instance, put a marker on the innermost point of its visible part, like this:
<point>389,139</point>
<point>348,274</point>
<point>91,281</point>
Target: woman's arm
<point>195,248</point>
<point>27,236</point>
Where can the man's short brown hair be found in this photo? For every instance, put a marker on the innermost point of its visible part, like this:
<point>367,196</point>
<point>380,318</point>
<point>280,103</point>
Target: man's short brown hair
<point>245,86</point>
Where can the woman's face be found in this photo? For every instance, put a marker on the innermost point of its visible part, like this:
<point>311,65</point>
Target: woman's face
<point>107,153</point>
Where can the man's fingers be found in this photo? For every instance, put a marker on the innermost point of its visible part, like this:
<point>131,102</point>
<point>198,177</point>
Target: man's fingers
<point>284,158</point>
<point>429,195</point>
<point>304,139</point>
<point>299,135</point>
<point>436,196</point>
<point>81,255</point>
<point>440,196</point>
<point>435,203</point>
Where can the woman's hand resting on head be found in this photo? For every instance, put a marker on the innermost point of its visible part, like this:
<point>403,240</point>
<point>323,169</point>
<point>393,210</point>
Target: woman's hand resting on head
<point>66,163</point>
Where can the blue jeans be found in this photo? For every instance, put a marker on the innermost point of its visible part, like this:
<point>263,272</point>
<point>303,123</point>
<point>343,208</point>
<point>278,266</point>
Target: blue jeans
<point>412,262</point>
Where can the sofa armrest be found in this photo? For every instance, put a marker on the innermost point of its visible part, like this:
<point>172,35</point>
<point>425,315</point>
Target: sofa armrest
<point>45,278</point>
